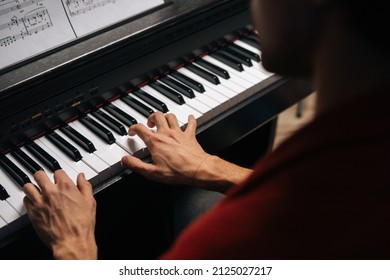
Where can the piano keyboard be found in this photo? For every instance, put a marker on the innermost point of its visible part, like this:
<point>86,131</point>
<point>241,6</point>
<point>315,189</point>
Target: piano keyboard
<point>95,142</point>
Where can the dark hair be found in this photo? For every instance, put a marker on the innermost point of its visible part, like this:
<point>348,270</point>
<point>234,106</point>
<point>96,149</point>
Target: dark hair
<point>370,18</point>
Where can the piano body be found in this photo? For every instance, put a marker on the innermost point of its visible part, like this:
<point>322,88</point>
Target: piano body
<point>184,57</point>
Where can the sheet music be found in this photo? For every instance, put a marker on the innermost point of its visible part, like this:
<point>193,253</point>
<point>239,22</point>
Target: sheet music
<point>31,27</point>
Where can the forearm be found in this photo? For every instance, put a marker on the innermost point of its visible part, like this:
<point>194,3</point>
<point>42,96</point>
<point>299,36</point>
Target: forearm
<point>219,175</point>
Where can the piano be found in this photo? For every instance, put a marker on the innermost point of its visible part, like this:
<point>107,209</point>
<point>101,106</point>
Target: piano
<point>69,107</point>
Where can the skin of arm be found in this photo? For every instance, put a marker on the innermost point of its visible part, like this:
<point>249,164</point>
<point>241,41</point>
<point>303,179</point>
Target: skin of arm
<point>63,214</point>
<point>177,157</point>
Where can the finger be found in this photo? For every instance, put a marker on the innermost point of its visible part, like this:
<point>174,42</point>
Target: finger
<point>191,125</point>
<point>135,164</point>
<point>32,193</point>
<point>62,178</point>
<point>158,119</point>
<point>42,180</point>
<point>84,185</point>
<point>142,131</point>
<point>172,121</point>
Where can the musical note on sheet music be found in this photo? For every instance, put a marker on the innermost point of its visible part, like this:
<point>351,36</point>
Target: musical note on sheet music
<point>25,19</point>
<point>79,7</point>
<point>31,27</point>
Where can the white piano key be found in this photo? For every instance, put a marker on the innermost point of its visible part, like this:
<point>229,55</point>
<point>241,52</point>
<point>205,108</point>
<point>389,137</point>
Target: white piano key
<point>218,88</point>
<point>47,171</point>
<point>209,96</point>
<point>110,153</point>
<point>15,192</point>
<point>181,111</point>
<point>238,77</point>
<point>4,229</point>
<point>69,164</point>
<point>132,145</point>
<point>90,159</point>
<point>8,213</point>
<point>227,82</point>
<point>202,107</point>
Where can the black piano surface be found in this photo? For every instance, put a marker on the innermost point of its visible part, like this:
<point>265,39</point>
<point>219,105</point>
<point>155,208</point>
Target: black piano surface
<point>58,87</point>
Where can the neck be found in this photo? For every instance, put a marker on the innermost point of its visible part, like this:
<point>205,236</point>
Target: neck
<point>346,66</point>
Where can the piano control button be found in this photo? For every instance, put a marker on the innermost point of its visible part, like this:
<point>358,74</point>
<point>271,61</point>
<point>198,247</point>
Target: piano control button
<point>98,129</point>
<point>119,114</point>
<point>26,161</point>
<point>227,60</point>
<point>70,166</point>
<point>174,96</point>
<point>213,68</point>
<point>43,156</point>
<point>187,81</point>
<point>110,122</point>
<point>64,146</point>
<point>138,106</point>
<point>252,55</point>
<point>92,160</point>
<point>154,102</point>
<point>204,74</point>
<point>80,139</point>
<point>15,172</point>
<point>3,193</point>
<point>16,193</point>
<point>178,86</point>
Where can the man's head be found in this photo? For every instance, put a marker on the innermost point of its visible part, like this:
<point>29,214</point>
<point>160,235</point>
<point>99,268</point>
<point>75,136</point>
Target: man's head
<point>290,30</point>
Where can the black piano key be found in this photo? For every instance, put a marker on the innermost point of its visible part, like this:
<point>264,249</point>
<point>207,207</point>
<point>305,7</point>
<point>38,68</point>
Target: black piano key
<point>151,100</point>
<point>243,51</point>
<point>179,87</point>
<point>110,122</point>
<point>188,81</point>
<point>64,146</point>
<point>228,61</point>
<point>18,175</point>
<point>98,129</point>
<point>138,106</point>
<point>171,94</point>
<point>121,115</point>
<point>26,161</point>
<point>43,156</point>
<point>213,68</point>
<point>3,193</point>
<point>80,139</point>
<point>250,41</point>
<point>204,74</point>
<point>235,55</point>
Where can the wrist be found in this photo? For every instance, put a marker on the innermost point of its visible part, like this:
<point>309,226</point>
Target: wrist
<point>79,250</point>
<point>219,175</point>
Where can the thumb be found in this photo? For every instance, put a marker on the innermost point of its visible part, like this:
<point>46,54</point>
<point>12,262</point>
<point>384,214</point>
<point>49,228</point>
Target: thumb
<point>134,163</point>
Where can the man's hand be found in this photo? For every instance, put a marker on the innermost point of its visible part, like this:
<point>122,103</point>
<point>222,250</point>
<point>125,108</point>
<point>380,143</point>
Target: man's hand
<point>176,154</point>
<point>63,214</point>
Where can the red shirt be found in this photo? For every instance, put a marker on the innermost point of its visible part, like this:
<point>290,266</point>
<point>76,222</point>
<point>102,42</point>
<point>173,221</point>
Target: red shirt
<point>323,194</point>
